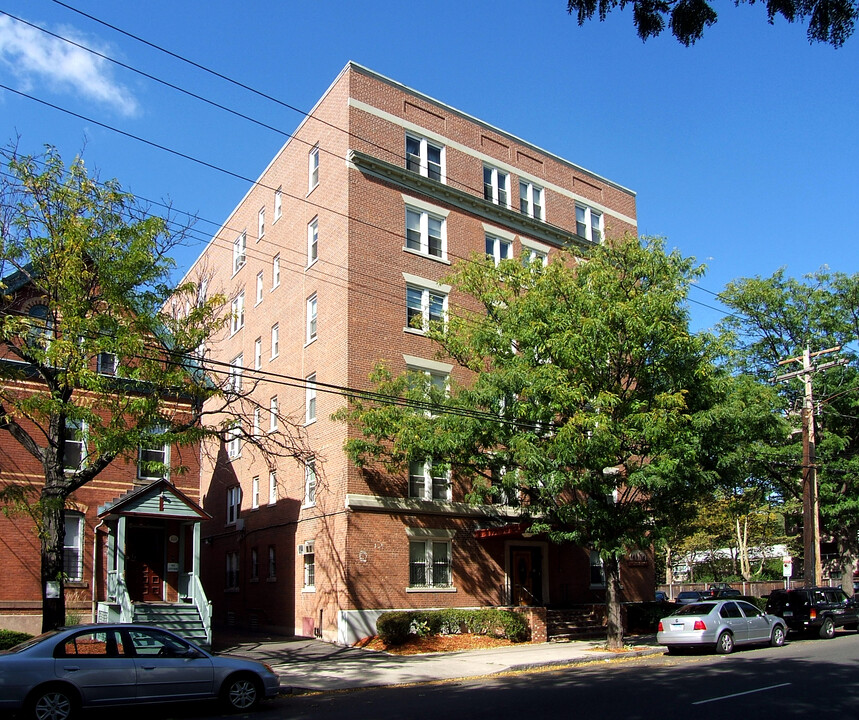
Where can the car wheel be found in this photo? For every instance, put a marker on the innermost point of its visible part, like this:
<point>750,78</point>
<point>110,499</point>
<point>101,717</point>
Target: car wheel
<point>52,703</point>
<point>241,692</point>
<point>725,643</point>
<point>827,630</point>
<point>778,636</point>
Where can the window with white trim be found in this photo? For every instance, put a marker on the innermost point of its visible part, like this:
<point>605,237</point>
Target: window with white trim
<point>275,271</point>
<point>312,309</point>
<point>259,287</point>
<point>278,204</point>
<point>234,379</point>
<point>238,313</point>
<point>496,186</point>
<point>426,233</point>
<point>153,456</point>
<point>234,504</point>
<point>310,399</point>
<point>261,224</point>
<point>429,480</point>
<point>430,563</point>
<point>312,241</point>
<point>313,168</point>
<point>75,446</point>
<point>531,200</point>
<point>589,223</point>
<point>272,487</point>
<point>257,353</point>
<point>499,248</point>
<point>424,306</point>
<point>310,483</point>
<point>239,252</point>
<point>257,418</point>
<point>272,414</point>
<point>309,559</point>
<point>234,440</point>
<point>532,255</point>
<point>255,493</point>
<point>73,546</point>
<point>231,581</point>
<point>275,340</point>
<point>425,157</point>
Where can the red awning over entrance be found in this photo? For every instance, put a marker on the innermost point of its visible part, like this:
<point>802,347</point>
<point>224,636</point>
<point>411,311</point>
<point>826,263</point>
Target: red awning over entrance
<point>502,531</point>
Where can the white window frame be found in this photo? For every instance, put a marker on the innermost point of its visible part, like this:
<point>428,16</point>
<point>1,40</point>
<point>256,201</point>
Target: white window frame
<point>236,374</point>
<point>234,440</point>
<point>255,493</point>
<point>529,194</point>
<point>272,414</point>
<point>427,289</point>
<point>430,547</point>
<point>275,340</point>
<point>496,186</point>
<point>310,399</point>
<point>234,504</point>
<point>275,271</point>
<point>240,252</point>
<point>258,353</point>
<point>311,481</point>
<point>312,319</point>
<point>261,223</point>
<point>257,422</point>
<point>278,204</point>
<point>164,449</point>
<point>430,489</point>
<point>421,243</point>
<point>494,244</point>
<point>73,565</point>
<point>272,487</point>
<point>589,219</point>
<point>80,427</point>
<point>312,168</point>
<point>309,562</point>
<point>419,162</point>
<point>259,287</point>
<point>237,320</point>
<point>533,250</point>
<point>312,241</point>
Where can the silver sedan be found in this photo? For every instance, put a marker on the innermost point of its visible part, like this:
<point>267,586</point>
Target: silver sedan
<point>52,676</point>
<point>720,624</point>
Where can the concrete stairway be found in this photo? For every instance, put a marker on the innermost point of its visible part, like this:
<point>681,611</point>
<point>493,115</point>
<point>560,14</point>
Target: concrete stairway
<point>182,618</point>
<point>582,621</point>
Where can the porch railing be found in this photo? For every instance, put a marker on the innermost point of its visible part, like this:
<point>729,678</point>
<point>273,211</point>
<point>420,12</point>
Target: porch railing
<point>194,590</point>
<point>117,592</point>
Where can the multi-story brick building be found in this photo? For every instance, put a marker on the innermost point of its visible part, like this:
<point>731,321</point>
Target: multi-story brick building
<point>343,241</point>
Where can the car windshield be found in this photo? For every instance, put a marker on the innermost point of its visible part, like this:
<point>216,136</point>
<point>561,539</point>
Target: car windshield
<point>702,608</point>
<point>29,643</point>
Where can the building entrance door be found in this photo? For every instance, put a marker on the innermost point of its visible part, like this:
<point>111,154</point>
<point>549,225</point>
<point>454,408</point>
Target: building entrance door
<point>145,564</point>
<point>526,575</point>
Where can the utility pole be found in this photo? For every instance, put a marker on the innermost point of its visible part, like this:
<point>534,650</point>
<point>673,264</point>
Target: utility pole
<point>810,506</point>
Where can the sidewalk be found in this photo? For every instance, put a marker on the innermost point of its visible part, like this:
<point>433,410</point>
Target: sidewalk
<point>314,665</point>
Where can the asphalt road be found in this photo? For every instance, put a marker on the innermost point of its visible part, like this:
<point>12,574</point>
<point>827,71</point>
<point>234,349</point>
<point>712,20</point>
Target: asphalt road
<point>804,676</point>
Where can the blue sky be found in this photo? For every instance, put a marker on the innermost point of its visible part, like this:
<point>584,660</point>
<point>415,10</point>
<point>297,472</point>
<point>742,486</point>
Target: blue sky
<point>742,149</point>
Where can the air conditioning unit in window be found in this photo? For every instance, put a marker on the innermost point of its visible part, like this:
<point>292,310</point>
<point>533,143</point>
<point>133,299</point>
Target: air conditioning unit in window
<point>301,549</point>
<point>306,548</point>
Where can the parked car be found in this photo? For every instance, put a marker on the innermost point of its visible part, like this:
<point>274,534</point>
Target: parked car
<point>817,609</point>
<point>661,596</point>
<point>722,593</point>
<point>54,675</point>
<point>689,596</point>
<point>720,624</point>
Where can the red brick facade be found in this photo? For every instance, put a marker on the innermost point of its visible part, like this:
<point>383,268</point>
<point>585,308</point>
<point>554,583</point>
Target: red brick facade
<point>361,525</point>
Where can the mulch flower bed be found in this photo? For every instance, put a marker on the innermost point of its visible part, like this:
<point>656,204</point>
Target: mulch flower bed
<point>435,643</point>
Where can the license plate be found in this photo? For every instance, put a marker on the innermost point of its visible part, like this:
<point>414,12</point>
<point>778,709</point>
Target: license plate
<point>678,626</point>
<point>788,613</point>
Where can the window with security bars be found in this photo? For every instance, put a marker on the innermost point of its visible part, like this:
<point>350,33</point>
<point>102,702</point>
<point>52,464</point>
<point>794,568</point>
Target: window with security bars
<point>429,564</point>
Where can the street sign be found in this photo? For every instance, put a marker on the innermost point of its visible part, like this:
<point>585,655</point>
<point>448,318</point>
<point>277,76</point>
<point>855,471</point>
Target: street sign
<point>787,566</point>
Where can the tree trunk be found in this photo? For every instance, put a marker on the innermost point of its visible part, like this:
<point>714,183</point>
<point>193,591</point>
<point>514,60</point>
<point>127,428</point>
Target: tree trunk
<point>614,620</point>
<point>52,540</point>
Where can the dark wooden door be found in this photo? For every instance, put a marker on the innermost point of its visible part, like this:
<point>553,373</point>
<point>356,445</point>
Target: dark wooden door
<point>145,564</point>
<point>526,575</point>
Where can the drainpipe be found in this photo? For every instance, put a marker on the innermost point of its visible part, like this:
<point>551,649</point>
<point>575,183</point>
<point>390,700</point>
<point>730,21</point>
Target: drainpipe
<point>93,593</point>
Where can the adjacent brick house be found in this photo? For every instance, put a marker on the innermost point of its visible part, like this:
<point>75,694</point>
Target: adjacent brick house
<point>345,238</point>
<point>131,539</point>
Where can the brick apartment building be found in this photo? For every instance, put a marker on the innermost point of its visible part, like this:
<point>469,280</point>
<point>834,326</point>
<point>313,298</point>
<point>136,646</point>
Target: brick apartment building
<point>132,540</point>
<point>346,237</point>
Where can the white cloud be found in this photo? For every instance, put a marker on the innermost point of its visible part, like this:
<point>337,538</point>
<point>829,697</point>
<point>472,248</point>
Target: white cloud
<point>36,57</point>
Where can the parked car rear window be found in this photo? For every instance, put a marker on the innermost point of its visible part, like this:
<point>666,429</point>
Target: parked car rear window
<point>702,608</point>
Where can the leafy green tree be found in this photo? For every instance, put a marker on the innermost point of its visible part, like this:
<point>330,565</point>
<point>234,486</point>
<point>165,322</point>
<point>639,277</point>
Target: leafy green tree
<point>92,268</point>
<point>585,381</point>
<point>775,318</point>
<point>829,21</point>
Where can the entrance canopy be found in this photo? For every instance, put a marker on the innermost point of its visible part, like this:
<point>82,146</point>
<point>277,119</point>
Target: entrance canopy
<point>160,499</point>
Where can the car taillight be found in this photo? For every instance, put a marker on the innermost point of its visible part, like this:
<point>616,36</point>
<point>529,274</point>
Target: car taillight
<point>699,625</point>
<point>812,614</point>
<point>660,628</point>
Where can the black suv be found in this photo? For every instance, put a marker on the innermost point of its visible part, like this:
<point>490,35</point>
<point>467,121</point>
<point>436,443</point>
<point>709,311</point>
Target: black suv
<point>820,609</point>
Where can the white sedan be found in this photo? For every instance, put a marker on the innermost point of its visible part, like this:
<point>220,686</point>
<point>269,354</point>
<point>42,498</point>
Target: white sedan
<point>720,624</point>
